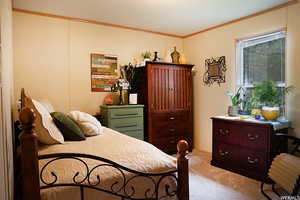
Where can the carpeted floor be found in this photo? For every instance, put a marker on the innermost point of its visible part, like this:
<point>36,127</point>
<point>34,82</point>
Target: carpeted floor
<point>212,183</point>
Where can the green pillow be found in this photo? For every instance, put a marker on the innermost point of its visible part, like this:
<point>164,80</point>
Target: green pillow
<point>68,127</point>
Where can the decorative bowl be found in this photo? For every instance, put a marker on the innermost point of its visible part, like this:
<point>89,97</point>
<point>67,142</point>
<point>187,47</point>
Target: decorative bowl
<point>270,113</point>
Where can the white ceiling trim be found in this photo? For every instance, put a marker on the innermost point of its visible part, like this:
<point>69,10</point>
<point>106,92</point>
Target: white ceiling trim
<point>151,27</point>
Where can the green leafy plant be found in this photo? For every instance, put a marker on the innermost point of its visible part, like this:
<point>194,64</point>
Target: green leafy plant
<point>268,94</point>
<point>146,54</point>
<point>235,98</point>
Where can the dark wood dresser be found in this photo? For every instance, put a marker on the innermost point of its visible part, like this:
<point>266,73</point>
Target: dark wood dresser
<point>246,148</point>
<point>166,91</point>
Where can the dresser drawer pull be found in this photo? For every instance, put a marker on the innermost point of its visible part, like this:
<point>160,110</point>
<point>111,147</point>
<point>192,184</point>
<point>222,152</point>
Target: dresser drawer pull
<point>126,114</point>
<point>252,161</point>
<point>172,118</point>
<point>224,133</point>
<point>127,126</point>
<point>253,137</point>
<point>223,153</point>
<point>172,129</point>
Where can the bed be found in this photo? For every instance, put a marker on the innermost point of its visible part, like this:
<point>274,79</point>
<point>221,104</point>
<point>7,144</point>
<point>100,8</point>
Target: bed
<point>107,167</point>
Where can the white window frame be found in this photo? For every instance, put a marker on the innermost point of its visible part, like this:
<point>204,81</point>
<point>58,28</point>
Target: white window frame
<point>243,43</point>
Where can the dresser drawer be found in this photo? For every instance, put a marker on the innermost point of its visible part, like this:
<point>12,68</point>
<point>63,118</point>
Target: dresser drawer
<point>254,137</point>
<point>252,160</point>
<point>226,132</point>
<point>226,154</point>
<point>127,124</point>
<point>125,113</point>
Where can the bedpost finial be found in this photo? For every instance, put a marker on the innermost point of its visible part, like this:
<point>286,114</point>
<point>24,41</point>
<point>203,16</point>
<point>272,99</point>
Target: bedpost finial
<point>27,118</point>
<point>182,148</point>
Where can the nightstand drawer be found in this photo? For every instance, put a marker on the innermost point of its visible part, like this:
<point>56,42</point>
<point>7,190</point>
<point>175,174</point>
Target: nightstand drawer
<point>125,112</point>
<point>138,134</point>
<point>126,119</point>
<point>127,124</point>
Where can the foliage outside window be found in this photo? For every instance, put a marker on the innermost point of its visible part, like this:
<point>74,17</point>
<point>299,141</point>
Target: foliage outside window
<point>261,59</point>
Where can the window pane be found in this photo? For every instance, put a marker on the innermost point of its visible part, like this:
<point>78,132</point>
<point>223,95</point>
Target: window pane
<point>264,61</point>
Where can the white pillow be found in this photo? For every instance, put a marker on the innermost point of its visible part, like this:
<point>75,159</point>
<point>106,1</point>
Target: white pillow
<point>47,105</point>
<point>46,130</point>
<point>88,123</point>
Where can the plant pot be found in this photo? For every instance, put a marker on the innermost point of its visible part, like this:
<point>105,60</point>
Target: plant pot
<point>244,112</point>
<point>233,110</point>
<point>270,113</point>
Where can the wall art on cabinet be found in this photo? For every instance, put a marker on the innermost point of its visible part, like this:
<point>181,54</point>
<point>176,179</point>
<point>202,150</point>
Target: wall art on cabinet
<point>103,72</point>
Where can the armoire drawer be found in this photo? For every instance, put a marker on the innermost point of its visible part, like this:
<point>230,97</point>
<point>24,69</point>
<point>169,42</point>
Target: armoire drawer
<point>170,117</point>
<point>169,144</point>
<point>171,129</point>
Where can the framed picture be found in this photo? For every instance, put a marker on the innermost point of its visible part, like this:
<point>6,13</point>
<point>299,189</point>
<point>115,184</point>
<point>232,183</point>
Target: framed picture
<point>215,69</point>
<point>133,98</point>
<point>104,72</point>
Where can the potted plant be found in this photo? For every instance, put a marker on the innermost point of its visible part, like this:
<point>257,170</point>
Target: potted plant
<point>270,97</point>
<point>246,106</point>
<point>236,100</point>
<point>146,55</point>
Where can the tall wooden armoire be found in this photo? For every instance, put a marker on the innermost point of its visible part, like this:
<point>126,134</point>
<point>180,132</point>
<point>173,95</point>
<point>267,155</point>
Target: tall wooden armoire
<point>166,90</point>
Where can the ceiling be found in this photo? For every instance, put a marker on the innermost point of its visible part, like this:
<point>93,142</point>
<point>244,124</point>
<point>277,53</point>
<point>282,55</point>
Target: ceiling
<point>180,17</point>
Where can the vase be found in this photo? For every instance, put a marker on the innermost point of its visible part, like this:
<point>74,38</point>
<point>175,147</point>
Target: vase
<point>175,56</point>
<point>233,111</point>
<point>155,56</point>
<point>270,113</point>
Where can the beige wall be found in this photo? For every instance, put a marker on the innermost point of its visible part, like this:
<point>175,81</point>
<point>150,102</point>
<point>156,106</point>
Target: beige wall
<point>58,51</point>
<point>212,101</point>
<point>52,57</point>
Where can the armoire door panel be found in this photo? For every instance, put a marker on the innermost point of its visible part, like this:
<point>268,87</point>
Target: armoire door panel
<point>182,89</point>
<point>160,89</point>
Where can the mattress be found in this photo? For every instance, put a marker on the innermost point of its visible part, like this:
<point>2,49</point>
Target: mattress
<point>124,150</point>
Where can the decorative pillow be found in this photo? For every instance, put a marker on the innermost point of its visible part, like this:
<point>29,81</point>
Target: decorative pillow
<point>70,130</point>
<point>88,123</point>
<point>45,128</point>
<point>47,105</point>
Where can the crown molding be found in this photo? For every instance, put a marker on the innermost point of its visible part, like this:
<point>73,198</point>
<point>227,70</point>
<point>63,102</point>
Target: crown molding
<point>292,2</point>
<point>289,3</point>
<point>94,22</point>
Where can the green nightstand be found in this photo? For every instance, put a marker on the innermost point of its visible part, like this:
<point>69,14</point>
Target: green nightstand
<point>127,119</point>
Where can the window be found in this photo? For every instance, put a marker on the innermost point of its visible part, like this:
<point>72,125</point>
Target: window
<point>261,59</point>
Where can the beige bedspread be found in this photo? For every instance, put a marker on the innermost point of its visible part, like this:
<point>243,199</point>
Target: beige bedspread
<point>124,150</point>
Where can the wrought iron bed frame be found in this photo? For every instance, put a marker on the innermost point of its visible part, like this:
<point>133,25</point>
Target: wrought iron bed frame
<point>32,177</point>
